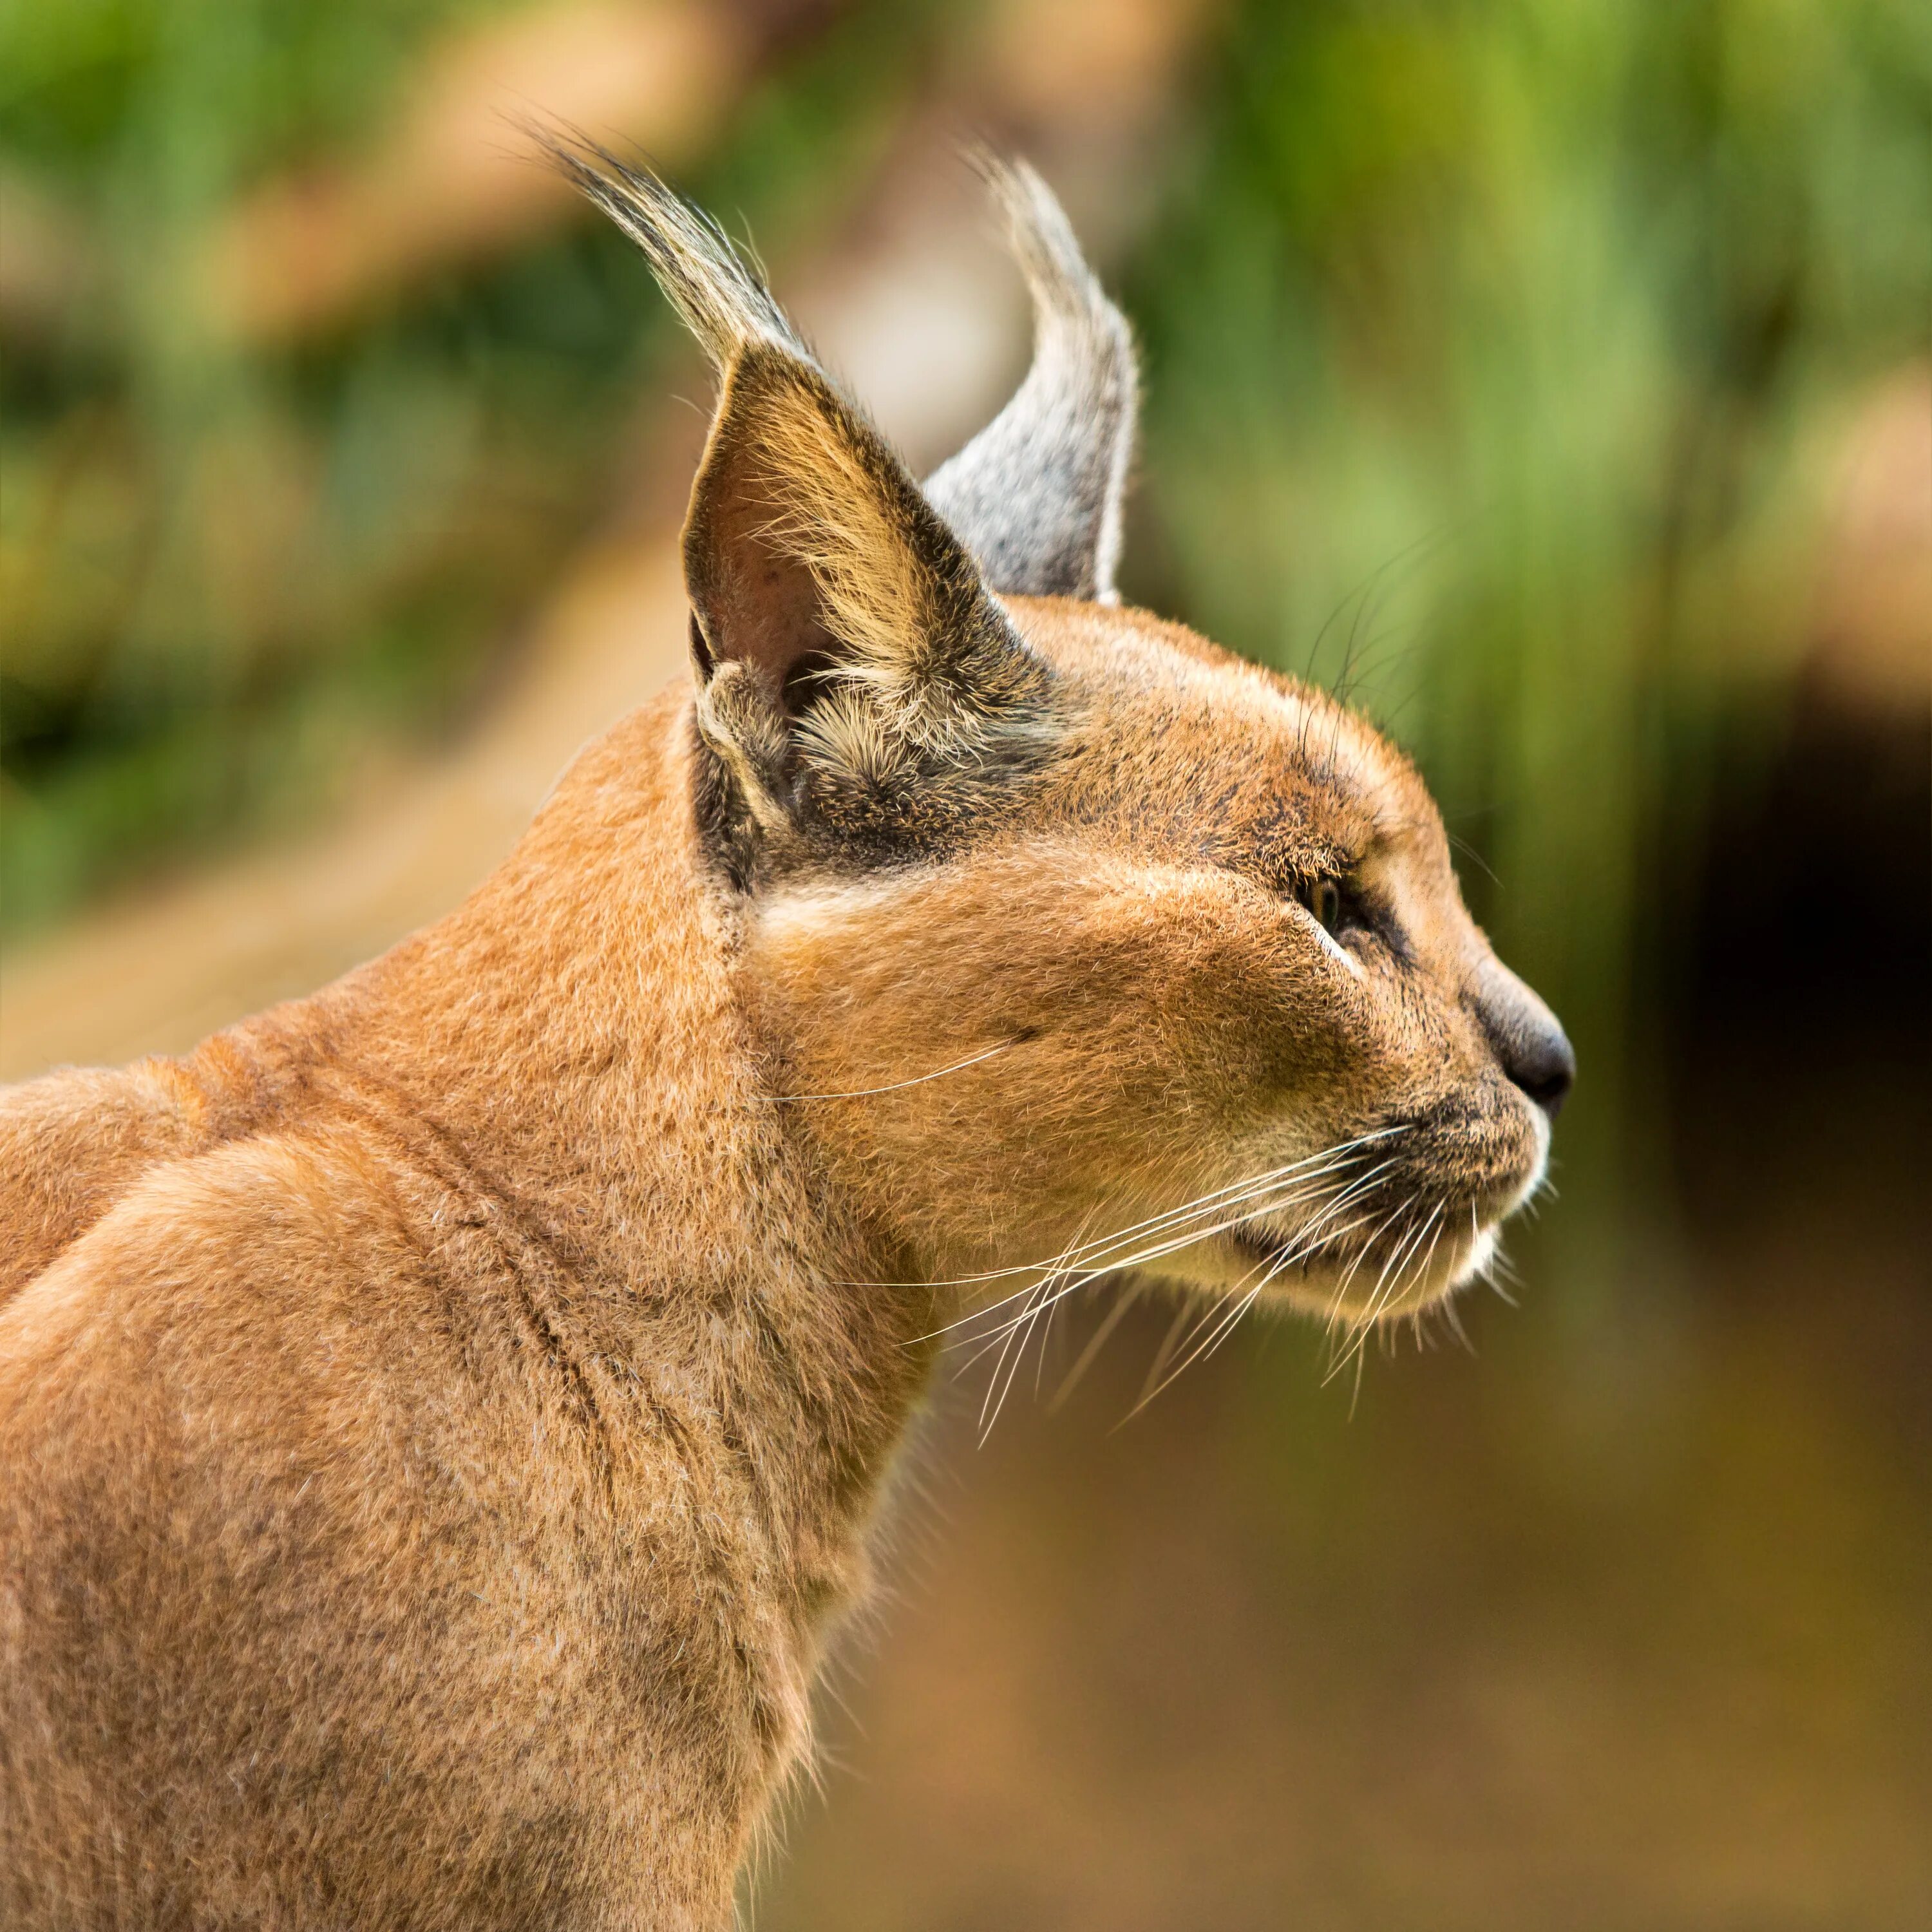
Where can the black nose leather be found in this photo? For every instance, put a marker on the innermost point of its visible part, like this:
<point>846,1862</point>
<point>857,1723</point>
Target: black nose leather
<point>1534,1051</point>
<point>1545,1067</point>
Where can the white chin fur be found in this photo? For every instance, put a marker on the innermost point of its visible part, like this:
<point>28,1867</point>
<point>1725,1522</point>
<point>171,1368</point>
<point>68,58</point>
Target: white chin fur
<point>1482,1252</point>
<point>1229,1268</point>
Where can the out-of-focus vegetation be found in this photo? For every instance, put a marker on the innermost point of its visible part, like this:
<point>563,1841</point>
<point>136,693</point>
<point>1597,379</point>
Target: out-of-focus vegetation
<point>255,526</point>
<point>1488,346</point>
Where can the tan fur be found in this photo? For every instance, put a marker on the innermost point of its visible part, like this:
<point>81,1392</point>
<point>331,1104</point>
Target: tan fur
<point>442,1417</point>
<point>434,1454</point>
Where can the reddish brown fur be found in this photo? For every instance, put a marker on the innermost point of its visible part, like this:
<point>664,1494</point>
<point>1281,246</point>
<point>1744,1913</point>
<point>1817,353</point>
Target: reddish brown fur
<point>437,1448</point>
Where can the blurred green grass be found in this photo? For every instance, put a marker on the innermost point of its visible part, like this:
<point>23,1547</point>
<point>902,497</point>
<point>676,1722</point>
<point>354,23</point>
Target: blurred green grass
<point>1481,339</point>
<point>235,571</point>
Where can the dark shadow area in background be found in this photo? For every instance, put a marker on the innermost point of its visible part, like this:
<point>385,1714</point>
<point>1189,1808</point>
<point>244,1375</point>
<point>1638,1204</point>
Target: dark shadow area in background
<point>1801,1053</point>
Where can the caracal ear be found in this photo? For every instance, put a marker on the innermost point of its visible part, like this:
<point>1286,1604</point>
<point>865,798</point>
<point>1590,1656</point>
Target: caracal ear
<point>846,649</point>
<point>842,634</point>
<point>1037,495</point>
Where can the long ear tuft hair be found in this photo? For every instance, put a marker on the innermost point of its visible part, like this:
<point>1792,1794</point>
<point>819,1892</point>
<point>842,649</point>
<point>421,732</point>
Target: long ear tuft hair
<point>1037,495</point>
<point>720,296</point>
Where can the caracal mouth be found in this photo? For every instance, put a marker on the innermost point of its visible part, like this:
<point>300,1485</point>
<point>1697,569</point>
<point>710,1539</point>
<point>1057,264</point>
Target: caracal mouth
<point>1386,1266</point>
<point>1384,1248</point>
<point>1410,1266</point>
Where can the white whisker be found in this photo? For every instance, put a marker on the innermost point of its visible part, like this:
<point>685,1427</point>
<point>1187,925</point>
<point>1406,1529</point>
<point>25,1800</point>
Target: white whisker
<point>1303,1188</point>
<point>1122,1301</point>
<point>1213,1201</point>
<point>1123,1263</point>
<point>1358,1330</point>
<point>1225,1323</point>
<point>892,1086</point>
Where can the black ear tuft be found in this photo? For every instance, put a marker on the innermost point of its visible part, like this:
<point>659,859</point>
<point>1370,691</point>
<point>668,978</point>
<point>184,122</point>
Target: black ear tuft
<point>723,299</point>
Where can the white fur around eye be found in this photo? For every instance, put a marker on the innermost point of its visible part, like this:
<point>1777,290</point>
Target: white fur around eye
<point>1336,948</point>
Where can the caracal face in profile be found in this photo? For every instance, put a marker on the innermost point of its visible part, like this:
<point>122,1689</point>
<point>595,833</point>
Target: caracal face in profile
<point>1178,937</point>
<point>441,1418</point>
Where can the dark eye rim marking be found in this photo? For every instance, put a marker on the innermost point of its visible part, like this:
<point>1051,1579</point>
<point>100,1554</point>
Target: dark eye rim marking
<point>1329,887</point>
<point>1347,914</point>
<point>1323,898</point>
<point>1333,906</point>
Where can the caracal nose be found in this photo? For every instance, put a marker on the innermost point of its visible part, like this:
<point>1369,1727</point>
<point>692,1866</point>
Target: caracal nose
<point>1527,1037</point>
<point>1544,1065</point>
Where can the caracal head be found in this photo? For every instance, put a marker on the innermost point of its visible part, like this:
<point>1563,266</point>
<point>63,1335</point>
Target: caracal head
<point>1070,941</point>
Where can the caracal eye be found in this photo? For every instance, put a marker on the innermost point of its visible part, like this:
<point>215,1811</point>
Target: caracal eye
<point>1323,898</point>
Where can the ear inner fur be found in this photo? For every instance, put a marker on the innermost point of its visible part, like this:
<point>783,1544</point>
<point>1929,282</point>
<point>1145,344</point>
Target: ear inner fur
<point>848,646</point>
<point>806,539</point>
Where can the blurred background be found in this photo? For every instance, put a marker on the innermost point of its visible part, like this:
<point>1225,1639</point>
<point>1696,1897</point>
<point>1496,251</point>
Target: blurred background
<point>1552,376</point>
